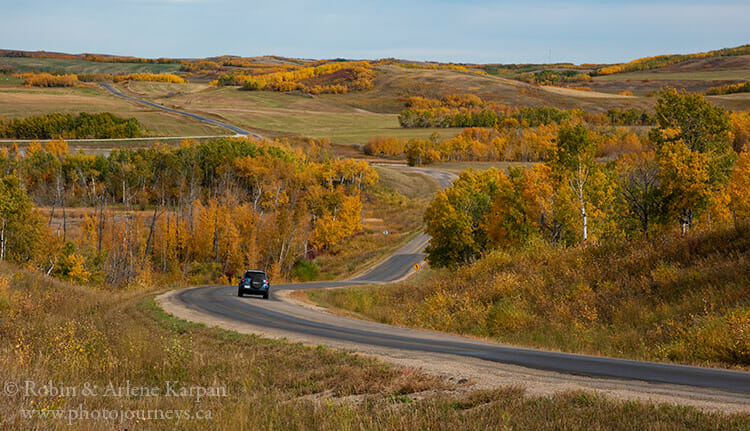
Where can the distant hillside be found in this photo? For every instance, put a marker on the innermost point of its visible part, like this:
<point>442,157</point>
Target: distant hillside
<point>660,61</point>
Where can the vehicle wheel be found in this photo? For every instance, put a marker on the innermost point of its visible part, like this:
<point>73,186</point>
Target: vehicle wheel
<point>265,295</point>
<point>239,293</point>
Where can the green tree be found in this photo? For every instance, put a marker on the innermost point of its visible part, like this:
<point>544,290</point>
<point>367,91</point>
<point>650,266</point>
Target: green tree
<point>639,189</point>
<point>693,147</point>
<point>21,231</point>
<point>509,220</point>
<point>456,218</point>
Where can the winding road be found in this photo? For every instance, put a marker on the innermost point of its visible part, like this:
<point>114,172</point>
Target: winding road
<point>227,126</point>
<point>285,317</point>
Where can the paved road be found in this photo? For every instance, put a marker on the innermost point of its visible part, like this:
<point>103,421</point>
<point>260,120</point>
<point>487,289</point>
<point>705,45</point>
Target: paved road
<point>227,126</point>
<point>272,316</point>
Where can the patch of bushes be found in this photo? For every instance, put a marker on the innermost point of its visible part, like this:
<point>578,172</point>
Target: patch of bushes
<point>103,125</point>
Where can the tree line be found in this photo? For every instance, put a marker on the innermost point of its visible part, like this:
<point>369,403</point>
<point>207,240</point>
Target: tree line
<point>554,77</point>
<point>197,211</point>
<point>468,110</point>
<point>103,125</point>
<point>43,79</point>
<point>507,142</point>
<point>324,78</point>
<point>743,87</point>
<point>688,174</point>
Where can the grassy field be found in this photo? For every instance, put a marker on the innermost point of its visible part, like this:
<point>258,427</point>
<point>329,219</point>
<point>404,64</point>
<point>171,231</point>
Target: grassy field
<point>19,101</point>
<point>739,101</point>
<point>24,64</point>
<point>10,80</point>
<point>394,84</point>
<point>355,117</point>
<point>278,114</point>
<point>665,299</point>
<point>56,335</point>
<point>707,75</point>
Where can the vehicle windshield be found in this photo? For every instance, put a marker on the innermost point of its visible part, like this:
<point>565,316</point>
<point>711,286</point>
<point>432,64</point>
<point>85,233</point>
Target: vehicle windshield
<point>255,276</point>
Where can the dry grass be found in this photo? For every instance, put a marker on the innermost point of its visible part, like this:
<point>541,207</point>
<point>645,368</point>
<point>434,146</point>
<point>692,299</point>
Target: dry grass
<point>669,299</point>
<point>53,331</point>
<point>412,185</point>
<point>57,334</point>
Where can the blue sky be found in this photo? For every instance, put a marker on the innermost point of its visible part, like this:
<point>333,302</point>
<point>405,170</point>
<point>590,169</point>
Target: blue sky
<point>444,30</point>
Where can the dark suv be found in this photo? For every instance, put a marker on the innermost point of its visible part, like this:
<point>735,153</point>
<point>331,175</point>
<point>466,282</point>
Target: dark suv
<point>255,282</point>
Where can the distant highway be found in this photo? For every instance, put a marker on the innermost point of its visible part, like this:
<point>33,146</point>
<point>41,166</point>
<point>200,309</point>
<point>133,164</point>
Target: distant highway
<point>227,126</point>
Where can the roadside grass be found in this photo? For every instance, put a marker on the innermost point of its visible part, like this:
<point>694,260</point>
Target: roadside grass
<point>668,299</point>
<point>27,64</point>
<point>54,334</point>
<point>19,101</point>
<point>385,209</point>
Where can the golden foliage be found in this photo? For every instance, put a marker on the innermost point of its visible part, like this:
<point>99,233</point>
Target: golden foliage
<point>32,79</point>
<point>157,77</point>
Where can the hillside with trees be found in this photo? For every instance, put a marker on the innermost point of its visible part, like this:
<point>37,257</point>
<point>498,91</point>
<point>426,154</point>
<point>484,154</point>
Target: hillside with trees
<point>641,256</point>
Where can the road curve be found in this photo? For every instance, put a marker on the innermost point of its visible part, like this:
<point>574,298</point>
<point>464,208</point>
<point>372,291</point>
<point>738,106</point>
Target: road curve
<point>283,317</point>
<point>227,126</point>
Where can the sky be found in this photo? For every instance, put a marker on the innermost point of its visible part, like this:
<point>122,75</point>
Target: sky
<point>468,31</point>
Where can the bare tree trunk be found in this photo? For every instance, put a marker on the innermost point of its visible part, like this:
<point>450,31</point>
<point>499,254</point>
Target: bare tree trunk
<point>216,238</point>
<point>52,212</point>
<point>151,230</point>
<point>2,242</point>
<point>52,266</point>
<point>585,222</point>
<point>102,204</point>
<point>65,219</point>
